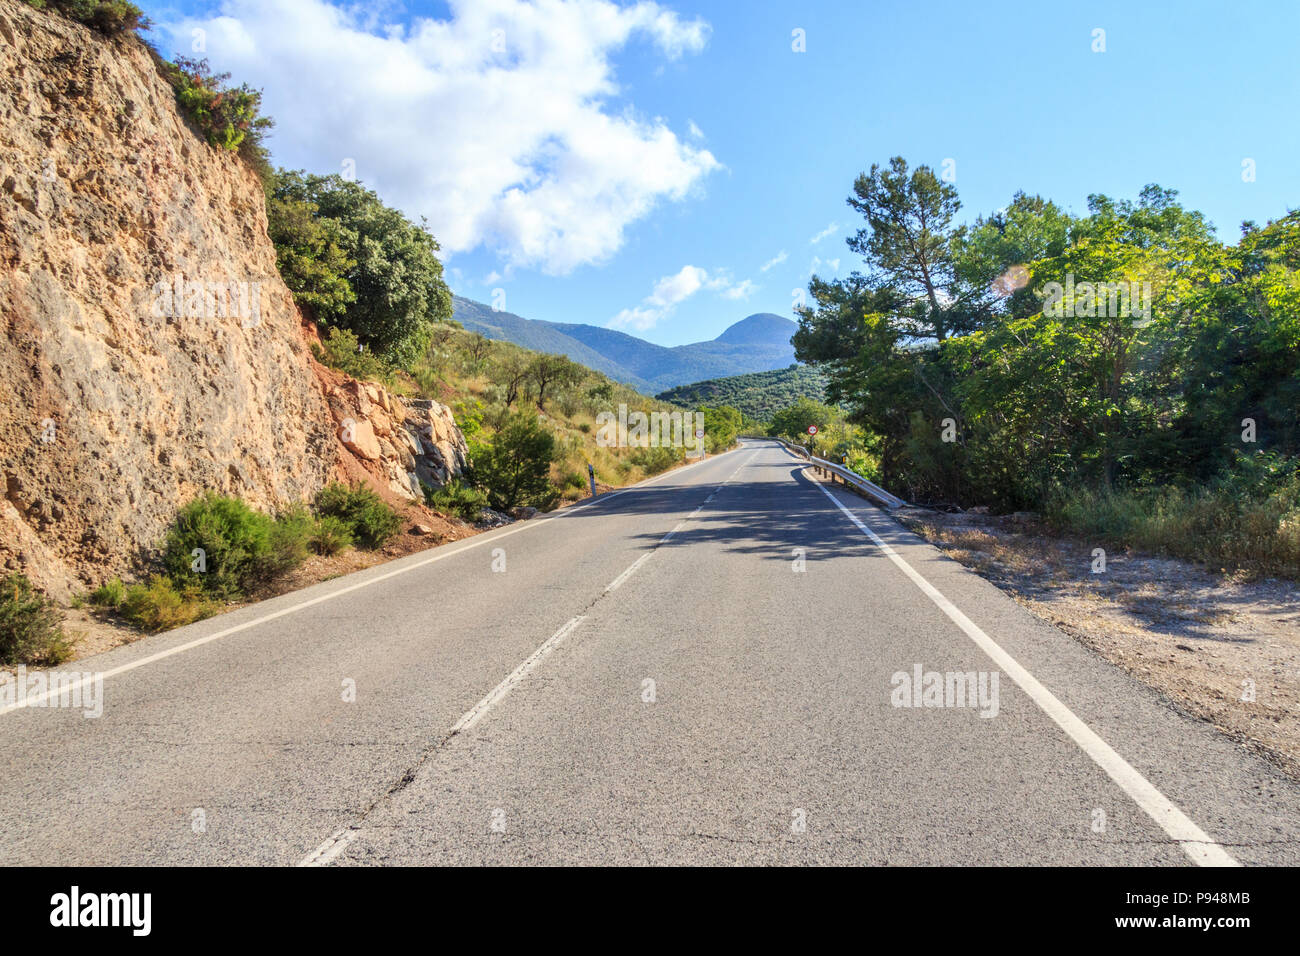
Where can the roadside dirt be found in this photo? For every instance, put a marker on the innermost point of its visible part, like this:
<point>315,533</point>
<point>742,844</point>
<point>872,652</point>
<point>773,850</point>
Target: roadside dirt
<point>93,630</point>
<point>1220,647</point>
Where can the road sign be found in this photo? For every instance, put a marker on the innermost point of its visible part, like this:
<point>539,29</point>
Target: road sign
<point>812,429</point>
<point>699,433</point>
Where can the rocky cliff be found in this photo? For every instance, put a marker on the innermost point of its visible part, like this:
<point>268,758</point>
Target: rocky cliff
<point>150,349</point>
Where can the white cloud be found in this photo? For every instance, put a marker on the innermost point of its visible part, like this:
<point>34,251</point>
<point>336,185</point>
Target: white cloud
<point>741,290</point>
<point>638,318</point>
<point>776,260</point>
<point>670,290</point>
<point>694,130</point>
<point>674,289</point>
<point>828,231</point>
<point>496,124</point>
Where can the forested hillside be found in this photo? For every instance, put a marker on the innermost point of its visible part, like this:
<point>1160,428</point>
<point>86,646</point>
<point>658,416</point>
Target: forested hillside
<point>760,395</point>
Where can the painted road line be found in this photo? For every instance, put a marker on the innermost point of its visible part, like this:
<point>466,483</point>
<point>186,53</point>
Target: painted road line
<point>1196,843</point>
<point>479,540</point>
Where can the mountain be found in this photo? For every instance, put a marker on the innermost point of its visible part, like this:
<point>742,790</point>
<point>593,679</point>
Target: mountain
<point>758,394</point>
<point>757,343</point>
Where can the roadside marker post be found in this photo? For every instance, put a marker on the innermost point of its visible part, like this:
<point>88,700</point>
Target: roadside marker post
<point>591,478</point>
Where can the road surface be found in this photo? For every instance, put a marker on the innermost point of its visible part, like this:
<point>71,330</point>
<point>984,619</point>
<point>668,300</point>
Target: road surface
<point>646,678</point>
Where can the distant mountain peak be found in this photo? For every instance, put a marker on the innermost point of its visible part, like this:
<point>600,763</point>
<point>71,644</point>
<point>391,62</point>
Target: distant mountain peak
<point>757,343</point>
<point>761,328</point>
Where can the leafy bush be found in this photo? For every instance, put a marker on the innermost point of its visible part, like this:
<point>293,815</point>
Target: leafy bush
<point>109,17</point>
<point>654,460</point>
<point>228,117</point>
<point>367,517</point>
<point>341,350</point>
<point>291,533</point>
<point>236,541</point>
<point>240,546</point>
<point>573,479</point>
<point>395,276</point>
<point>516,468</point>
<point>309,252</point>
<point>330,535</point>
<point>109,594</point>
<point>159,606</point>
<point>456,498</point>
<point>31,630</point>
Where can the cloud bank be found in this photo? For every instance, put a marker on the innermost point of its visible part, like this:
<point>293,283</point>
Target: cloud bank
<point>498,124</point>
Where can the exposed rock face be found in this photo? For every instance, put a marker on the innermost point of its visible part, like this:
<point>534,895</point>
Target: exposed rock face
<point>402,443</point>
<point>126,393</point>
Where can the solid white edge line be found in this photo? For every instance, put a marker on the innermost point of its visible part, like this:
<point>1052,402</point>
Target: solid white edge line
<point>1196,843</point>
<point>479,540</point>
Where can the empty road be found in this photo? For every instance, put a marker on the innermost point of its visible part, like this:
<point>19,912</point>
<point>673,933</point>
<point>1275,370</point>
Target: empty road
<point>699,669</point>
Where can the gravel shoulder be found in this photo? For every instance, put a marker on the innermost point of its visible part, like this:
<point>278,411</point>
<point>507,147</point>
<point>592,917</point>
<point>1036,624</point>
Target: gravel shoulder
<point>1219,646</point>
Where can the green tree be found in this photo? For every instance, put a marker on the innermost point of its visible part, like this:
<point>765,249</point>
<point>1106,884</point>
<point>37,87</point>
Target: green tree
<point>396,277</point>
<point>552,371</point>
<point>309,252</point>
<point>515,469</point>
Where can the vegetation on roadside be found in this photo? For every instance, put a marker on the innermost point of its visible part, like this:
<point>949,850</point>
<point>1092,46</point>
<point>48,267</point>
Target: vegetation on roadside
<point>457,497</point>
<point>366,517</point>
<point>31,625</point>
<point>1144,408</point>
<point>219,549</point>
<point>837,438</point>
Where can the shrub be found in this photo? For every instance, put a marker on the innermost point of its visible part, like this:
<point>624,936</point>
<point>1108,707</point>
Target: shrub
<point>109,17</point>
<point>290,536</point>
<point>341,350</point>
<point>236,541</point>
<point>159,606</point>
<point>370,521</point>
<point>109,594</point>
<point>573,479</point>
<point>654,460</point>
<point>227,117</point>
<point>516,468</point>
<point>31,627</point>
<point>1235,523</point>
<point>456,498</point>
<point>330,536</point>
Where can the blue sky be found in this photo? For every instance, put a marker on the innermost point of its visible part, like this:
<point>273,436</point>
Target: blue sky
<point>640,165</point>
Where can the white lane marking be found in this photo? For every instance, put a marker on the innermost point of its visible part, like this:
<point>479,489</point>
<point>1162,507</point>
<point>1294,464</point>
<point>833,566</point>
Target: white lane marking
<point>328,851</point>
<point>338,842</point>
<point>618,581</point>
<point>479,541</point>
<point>475,713</point>
<point>1196,843</point>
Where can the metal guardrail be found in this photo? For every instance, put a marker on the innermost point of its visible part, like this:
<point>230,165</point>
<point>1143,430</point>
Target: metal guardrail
<point>870,489</point>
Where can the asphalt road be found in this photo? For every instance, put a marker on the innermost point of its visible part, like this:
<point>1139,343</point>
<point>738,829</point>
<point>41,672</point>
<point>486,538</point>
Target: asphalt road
<point>648,679</point>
